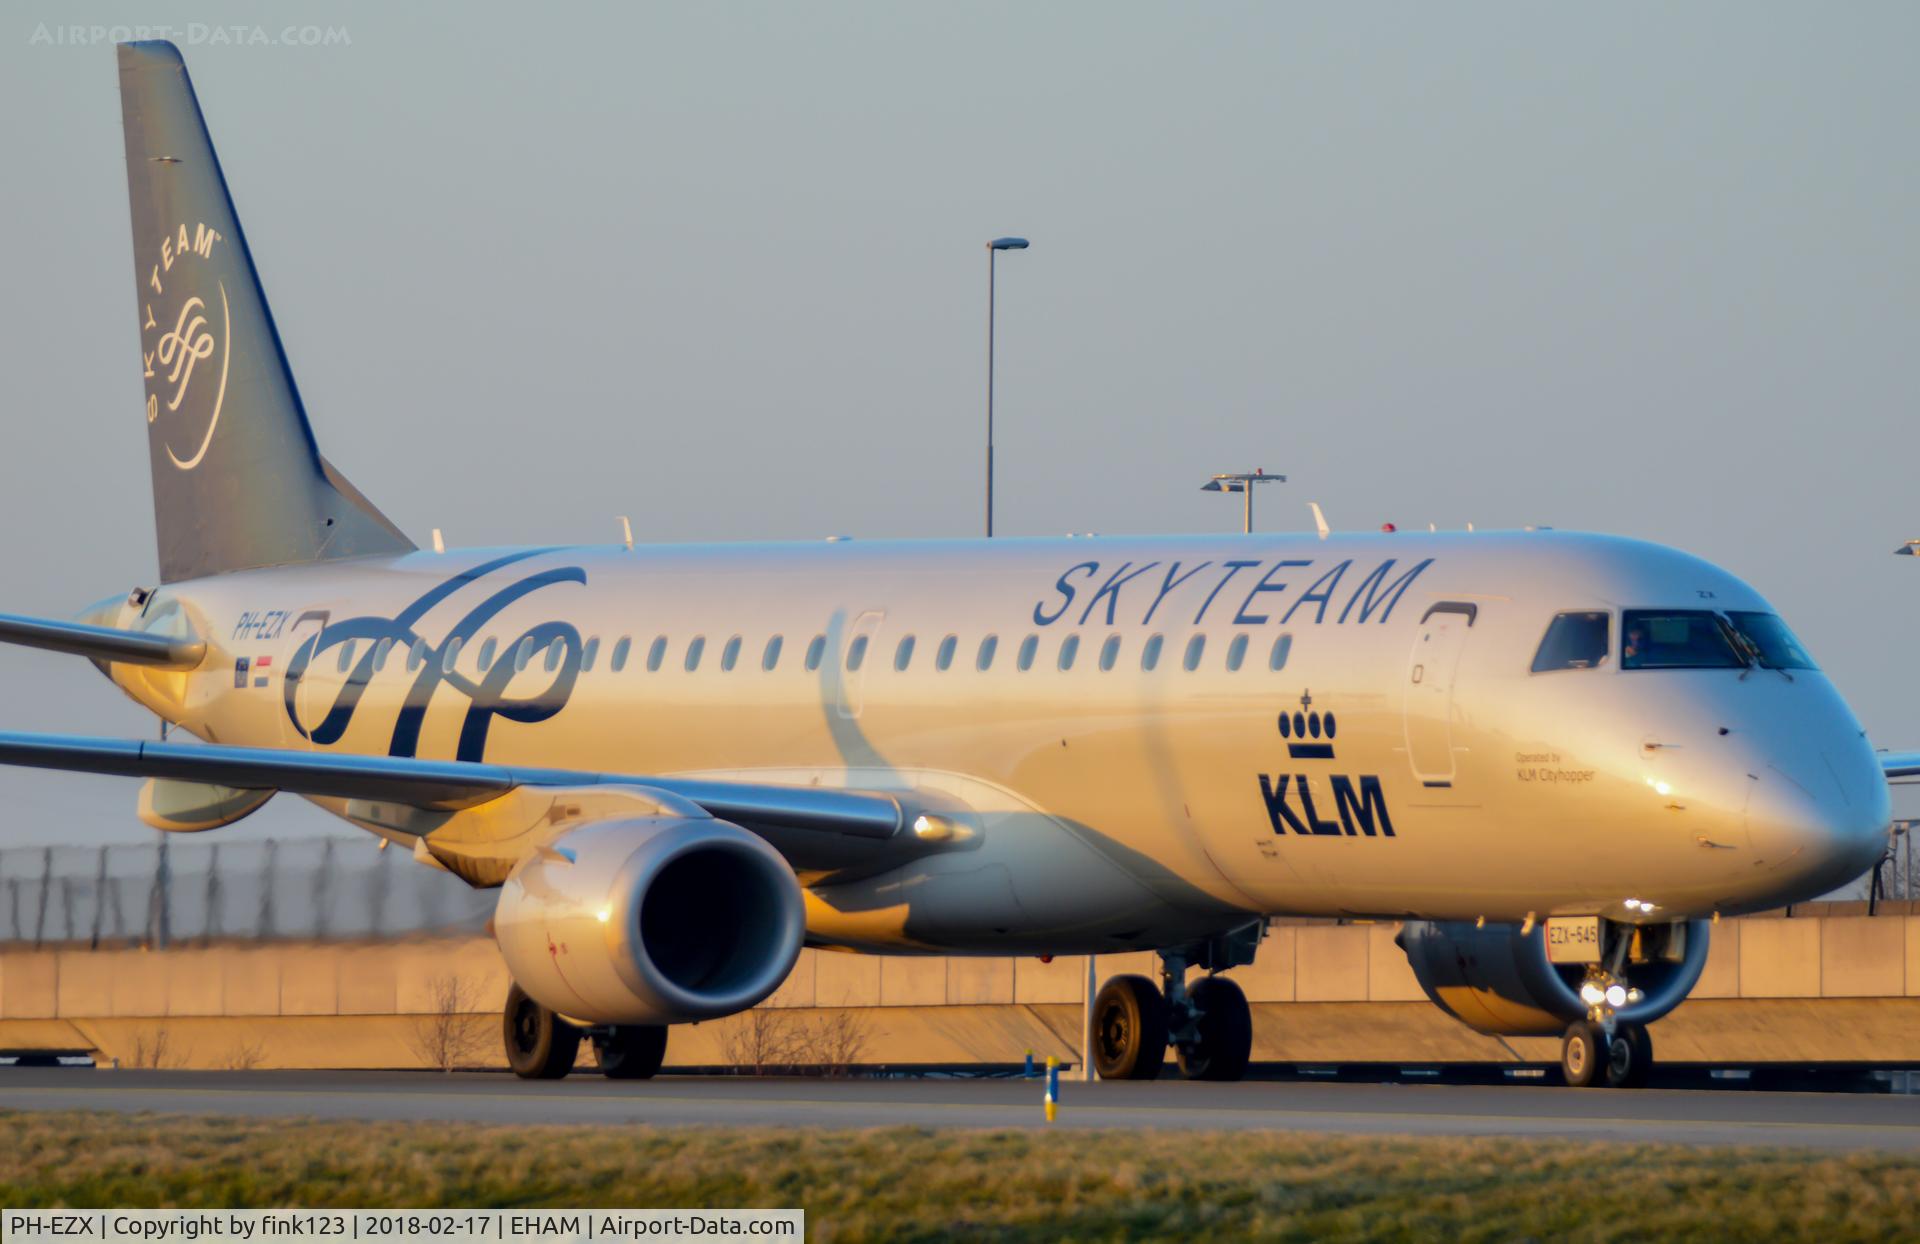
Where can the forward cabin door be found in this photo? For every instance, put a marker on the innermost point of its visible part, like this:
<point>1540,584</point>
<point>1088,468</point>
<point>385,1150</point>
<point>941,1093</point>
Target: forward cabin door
<point>1436,652</point>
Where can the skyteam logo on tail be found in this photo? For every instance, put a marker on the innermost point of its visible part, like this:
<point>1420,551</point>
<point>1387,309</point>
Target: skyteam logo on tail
<point>185,343</point>
<point>1360,803</point>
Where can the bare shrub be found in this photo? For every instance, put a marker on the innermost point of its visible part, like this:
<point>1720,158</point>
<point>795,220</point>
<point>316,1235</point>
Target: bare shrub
<point>763,1042</point>
<point>243,1055</point>
<point>152,1049</point>
<point>837,1042</point>
<point>448,1035</point>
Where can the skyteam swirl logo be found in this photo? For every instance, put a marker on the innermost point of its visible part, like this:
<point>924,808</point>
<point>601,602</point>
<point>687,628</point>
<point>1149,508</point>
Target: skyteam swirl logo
<point>184,348</point>
<point>397,638</point>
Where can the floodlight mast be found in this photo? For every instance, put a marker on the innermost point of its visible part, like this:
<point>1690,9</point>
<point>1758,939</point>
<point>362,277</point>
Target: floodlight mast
<point>1243,483</point>
<point>993,252</point>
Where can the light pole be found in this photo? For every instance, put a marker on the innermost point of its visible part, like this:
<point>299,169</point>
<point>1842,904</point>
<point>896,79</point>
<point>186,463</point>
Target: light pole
<point>993,252</point>
<point>1243,483</point>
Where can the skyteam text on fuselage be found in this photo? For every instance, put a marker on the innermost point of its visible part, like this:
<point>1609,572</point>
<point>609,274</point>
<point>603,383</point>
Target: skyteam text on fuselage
<point>679,764</point>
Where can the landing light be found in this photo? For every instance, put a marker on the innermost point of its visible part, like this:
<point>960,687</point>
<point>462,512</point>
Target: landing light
<point>1592,994</point>
<point>1616,996</point>
<point>932,828</point>
<point>603,915</point>
<point>1660,788</point>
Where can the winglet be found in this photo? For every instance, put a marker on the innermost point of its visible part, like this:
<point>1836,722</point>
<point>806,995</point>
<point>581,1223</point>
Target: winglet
<point>1320,520</point>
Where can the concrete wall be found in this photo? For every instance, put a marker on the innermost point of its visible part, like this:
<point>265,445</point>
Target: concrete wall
<point>1830,984</point>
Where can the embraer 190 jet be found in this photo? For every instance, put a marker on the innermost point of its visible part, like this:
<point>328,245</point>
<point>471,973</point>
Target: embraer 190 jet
<point>1555,757</point>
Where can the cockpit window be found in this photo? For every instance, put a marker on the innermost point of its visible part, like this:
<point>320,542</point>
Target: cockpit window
<point>1677,639</point>
<point>1771,639</point>
<point>1575,641</point>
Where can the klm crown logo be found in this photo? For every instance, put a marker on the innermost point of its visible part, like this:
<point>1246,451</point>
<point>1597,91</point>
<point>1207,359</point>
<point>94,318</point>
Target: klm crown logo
<point>1304,729</point>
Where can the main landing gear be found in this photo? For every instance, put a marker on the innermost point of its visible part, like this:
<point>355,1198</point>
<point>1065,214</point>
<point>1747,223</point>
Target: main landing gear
<point>543,1046</point>
<point>1208,1025</point>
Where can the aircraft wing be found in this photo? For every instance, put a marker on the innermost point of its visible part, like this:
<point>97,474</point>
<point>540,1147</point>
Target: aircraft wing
<point>788,816</point>
<point>1900,766</point>
<point>102,643</point>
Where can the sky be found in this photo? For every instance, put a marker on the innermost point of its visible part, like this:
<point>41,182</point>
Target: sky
<point>1637,268</point>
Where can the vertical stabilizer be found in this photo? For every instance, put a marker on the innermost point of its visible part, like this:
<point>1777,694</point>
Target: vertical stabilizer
<point>237,479</point>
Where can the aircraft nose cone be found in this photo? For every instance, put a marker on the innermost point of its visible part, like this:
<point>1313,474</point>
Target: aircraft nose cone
<point>1817,828</point>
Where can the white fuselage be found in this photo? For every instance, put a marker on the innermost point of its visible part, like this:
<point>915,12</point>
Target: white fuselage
<point>1432,774</point>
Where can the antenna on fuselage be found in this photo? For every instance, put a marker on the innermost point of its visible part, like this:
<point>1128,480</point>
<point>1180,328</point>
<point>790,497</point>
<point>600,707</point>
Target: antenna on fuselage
<point>1319,520</point>
<point>1910,549</point>
<point>439,541</point>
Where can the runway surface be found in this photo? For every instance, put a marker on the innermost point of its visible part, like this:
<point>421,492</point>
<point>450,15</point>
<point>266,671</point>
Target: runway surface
<point>1818,1120</point>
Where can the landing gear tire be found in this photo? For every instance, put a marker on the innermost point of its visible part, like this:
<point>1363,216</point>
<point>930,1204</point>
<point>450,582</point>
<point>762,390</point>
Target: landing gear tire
<point>540,1045</point>
<point>631,1053</point>
<point>1226,1032</point>
<point>1129,1029</point>
<point>1629,1057</point>
<point>1583,1053</point>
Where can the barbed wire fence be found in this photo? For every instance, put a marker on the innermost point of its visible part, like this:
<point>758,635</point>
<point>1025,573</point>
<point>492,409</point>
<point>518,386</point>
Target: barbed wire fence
<point>172,892</point>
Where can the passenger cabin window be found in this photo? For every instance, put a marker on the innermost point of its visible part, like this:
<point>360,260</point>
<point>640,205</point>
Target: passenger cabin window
<point>1236,652</point>
<point>416,655</point>
<point>1769,637</point>
<point>695,646</point>
<point>587,654</point>
<point>1196,647</point>
<point>1677,639</point>
<point>522,654</point>
<point>620,651</point>
<point>1109,652</point>
<point>346,656</point>
<point>856,652</point>
<point>487,651</point>
<point>730,655</point>
<point>1150,652</point>
<point>450,657</point>
<point>1282,647</point>
<point>943,656</point>
<point>771,657</point>
<point>380,653</point>
<point>1028,646</point>
<point>988,646</point>
<point>555,648</point>
<point>815,651</point>
<point>1069,649</point>
<point>657,653</point>
<point>1575,641</point>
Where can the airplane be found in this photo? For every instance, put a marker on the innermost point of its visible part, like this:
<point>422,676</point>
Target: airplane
<point>1557,757</point>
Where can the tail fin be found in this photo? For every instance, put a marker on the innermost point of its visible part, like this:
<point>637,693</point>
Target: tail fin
<point>238,481</point>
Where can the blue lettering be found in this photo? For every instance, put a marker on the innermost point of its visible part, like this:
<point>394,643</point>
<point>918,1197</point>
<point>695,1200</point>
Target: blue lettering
<point>1242,617</point>
<point>1111,590</point>
<point>1277,810</point>
<point>1326,829</point>
<point>1332,580</point>
<point>1376,597</point>
<point>1066,594</point>
<point>1168,586</point>
<point>1232,568</point>
<point>1362,810</point>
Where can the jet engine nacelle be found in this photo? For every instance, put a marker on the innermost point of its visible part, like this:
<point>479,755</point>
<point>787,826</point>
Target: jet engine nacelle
<point>651,920</point>
<point>1495,979</point>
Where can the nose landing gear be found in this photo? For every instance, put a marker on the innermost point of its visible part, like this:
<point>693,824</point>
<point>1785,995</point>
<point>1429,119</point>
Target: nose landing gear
<point>1602,1049</point>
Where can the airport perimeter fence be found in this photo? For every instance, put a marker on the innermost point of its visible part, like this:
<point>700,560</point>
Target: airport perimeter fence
<point>1898,875</point>
<point>173,893</point>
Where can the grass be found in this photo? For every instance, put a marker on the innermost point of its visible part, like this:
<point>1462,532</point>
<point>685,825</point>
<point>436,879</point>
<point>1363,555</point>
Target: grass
<point>916,1184</point>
